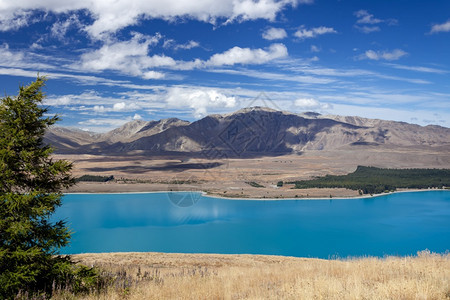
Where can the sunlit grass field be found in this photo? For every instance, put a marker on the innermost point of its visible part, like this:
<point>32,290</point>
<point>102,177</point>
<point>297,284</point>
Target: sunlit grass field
<point>212,276</point>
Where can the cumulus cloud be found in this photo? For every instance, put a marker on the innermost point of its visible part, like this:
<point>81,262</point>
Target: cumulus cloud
<point>117,107</point>
<point>238,55</point>
<point>274,34</point>
<point>304,33</point>
<point>383,55</point>
<point>199,100</point>
<point>132,58</point>
<point>111,17</point>
<point>129,57</point>
<point>311,104</point>
<point>153,75</point>
<point>444,27</point>
<point>56,101</point>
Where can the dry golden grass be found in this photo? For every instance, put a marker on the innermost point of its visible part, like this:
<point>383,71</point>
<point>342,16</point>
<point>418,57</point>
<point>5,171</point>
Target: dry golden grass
<point>211,276</point>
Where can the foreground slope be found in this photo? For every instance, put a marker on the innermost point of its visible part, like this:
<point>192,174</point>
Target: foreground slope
<point>213,276</point>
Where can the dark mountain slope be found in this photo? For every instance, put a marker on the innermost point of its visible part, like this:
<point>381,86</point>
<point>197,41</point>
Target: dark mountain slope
<point>252,132</point>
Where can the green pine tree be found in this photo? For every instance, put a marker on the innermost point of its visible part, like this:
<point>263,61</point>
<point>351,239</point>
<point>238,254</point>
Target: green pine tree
<point>31,185</point>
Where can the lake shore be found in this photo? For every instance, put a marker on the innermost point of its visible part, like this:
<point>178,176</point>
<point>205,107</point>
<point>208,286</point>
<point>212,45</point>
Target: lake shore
<point>215,276</point>
<point>243,192</point>
<point>226,190</point>
<point>250,178</point>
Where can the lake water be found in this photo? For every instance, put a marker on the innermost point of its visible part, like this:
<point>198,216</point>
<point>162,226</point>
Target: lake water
<point>394,224</point>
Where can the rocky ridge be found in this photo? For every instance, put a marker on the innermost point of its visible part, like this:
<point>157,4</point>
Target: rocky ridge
<point>255,131</point>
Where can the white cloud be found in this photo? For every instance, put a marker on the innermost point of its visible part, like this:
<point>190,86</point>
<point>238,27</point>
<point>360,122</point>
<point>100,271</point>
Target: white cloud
<point>13,19</point>
<point>87,98</point>
<point>81,79</point>
<point>188,45</point>
<point>265,9</point>
<point>60,28</point>
<point>315,48</point>
<point>137,117</point>
<point>418,69</point>
<point>10,58</point>
<point>311,104</point>
<point>274,34</point>
<point>110,17</point>
<point>383,55</point>
<point>153,75</point>
<point>444,27</point>
<point>26,59</point>
<point>62,100</point>
<point>104,124</point>
<point>271,76</point>
<point>36,46</point>
<point>237,55</point>
<point>365,18</point>
<point>367,29</point>
<point>117,107</point>
<point>132,58</point>
<point>357,73</point>
<point>369,21</point>
<point>170,43</point>
<point>200,99</point>
<point>99,109</point>
<point>304,33</point>
<point>128,57</point>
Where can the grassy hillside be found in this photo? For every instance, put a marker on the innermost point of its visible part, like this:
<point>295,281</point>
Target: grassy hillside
<point>371,180</point>
<point>212,276</point>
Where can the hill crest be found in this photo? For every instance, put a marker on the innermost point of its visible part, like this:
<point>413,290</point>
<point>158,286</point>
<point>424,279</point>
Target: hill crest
<point>254,131</point>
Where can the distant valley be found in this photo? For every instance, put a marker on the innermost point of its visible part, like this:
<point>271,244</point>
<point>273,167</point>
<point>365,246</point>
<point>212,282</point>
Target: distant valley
<point>246,153</point>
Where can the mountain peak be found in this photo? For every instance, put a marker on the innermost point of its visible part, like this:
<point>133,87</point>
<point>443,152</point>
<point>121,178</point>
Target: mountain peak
<point>254,108</point>
<point>258,109</point>
<point>266,131</point>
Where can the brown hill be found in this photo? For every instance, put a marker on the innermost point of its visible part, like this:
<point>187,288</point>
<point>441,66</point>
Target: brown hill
<point>250,132</point>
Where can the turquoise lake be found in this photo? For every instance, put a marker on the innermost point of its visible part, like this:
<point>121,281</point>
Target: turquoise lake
<point>394,224</point>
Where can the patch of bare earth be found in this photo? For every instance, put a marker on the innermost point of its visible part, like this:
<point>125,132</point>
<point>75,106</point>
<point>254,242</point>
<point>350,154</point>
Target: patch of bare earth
<point>231,177</point>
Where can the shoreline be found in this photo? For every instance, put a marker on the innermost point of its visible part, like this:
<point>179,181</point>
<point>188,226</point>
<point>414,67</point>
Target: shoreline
<point>231,255</point>
<point>206,194</point>
<point>333,198</point>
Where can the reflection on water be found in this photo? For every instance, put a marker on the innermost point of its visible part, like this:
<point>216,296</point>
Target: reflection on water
<point>401,224</point>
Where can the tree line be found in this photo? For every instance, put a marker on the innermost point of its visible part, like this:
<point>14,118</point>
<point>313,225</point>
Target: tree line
<point>372,180</point>
<point>94,178</point>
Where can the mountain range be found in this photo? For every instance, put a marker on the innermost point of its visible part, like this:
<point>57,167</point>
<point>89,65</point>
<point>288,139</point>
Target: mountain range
<point>249,132</point>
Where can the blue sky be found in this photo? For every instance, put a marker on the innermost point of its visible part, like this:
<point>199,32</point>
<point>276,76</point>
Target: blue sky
<point>108,64</point>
